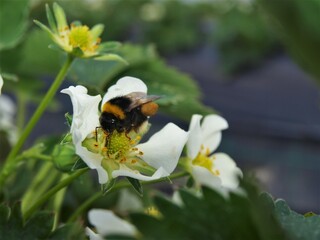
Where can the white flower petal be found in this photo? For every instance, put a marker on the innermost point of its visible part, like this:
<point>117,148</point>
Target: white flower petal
<point>1,84</point>
<point>211,141</point>
<point>164,148</point>
<point>127,172</point>
<point>212,126</point>
<point>106,223</point>
<point>123,87</point>
<point>102,174</point>
<point>7,118</point>
<point>204,177</point>
<point>213,123</point>
<point>84,121</point>
<point>85,111</point>
<point>229,172</point>
<point>195,136</point>
<point>92,235</point>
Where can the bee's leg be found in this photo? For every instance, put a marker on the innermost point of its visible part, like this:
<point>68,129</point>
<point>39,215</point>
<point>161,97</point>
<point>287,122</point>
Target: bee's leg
<point>96,132</point>
<point>126,134</point>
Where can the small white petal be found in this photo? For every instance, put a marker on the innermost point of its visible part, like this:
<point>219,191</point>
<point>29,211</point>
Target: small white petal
<point>1,84</point>
<point>212,126</point>
<point>229,172</point>
<point>204,177</point>
<point>214,123</point>
<point>92,235</point>
<point>127,172</point>
<point>123,87</point>
<point>107,223</point>
<point>164,148</point>
<point>211,141</point>
<point>195,136</point>
<point>102,174</point>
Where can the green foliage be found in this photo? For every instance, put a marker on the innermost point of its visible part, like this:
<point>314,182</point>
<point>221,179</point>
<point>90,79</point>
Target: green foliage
<point>13,22</point>
<point>135,183</point>
<point>181,95</point>
<point>298,226</point>
<point>37,58</point>
<point>210,216</point>
<point>297,22</point>
<point>242,38</point>
<point>12,226</point>
<point>39,226</point>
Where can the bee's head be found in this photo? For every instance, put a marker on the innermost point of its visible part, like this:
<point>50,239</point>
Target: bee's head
<point>108,121</point>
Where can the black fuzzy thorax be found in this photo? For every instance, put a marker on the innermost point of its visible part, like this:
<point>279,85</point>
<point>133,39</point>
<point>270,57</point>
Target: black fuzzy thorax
<point>132,121</point>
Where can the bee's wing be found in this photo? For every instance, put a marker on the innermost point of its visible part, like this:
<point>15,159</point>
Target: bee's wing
<point>139,98</point>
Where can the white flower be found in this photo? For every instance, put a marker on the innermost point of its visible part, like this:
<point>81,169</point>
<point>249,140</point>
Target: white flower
<point>7,113</point>
<point>151,160</point>
<point>216,170</point>
<point>107,223</point>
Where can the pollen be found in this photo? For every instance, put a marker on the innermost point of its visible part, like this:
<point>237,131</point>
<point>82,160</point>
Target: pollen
<point>203,161</point>
<point>123,160</point>
<point>140,153</point>
<point>133,161</point>
<point>80,37</point>
<point>118,143</point>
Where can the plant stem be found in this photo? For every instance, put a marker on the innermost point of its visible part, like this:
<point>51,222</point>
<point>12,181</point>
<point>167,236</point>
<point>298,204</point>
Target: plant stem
<point>117,187</point>
<point>57,202</point>
<point>11,159</point>
<point>65,182</point>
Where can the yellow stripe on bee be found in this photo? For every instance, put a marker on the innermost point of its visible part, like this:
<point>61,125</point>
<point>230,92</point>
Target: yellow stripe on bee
<point>114,109</point>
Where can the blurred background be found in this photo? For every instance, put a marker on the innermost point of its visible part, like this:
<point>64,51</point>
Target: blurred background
<point>255,62</point>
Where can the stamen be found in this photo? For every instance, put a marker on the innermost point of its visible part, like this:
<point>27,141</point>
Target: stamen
<point>207,151</point>
<point>133,161</point>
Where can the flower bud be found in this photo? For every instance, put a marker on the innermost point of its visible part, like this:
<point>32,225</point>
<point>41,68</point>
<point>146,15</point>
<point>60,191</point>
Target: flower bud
<point>64,157</point>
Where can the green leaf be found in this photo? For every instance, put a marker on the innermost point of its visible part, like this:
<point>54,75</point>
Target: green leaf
<point>60,16</point>
<point>296,22</point>
<point>68,117</point>
<point>51,20</point>
<point>297,226</point>
<point>13,22</point>
<point>111,57</point>
<point>210,216</point>
<point>37,227</point>
<point>79,165</point>
<point>109,46</point>
<point>135,183</point>
<point>37,58</point>
<point>68,231</point>
<point>105,188</point>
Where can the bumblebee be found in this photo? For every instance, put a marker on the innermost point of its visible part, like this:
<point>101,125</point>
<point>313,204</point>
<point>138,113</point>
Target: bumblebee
<point>128,112</point>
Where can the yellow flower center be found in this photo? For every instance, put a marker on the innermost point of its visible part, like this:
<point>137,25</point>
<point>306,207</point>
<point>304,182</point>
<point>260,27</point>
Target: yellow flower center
<point>117,146</point>
<point>203,159</point>
<point>119,150</point>
<point>80,37</point>
<point>153,211</point>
